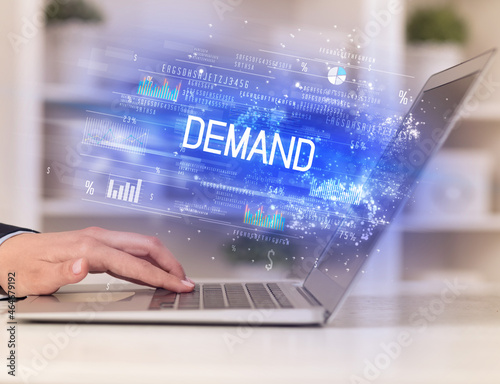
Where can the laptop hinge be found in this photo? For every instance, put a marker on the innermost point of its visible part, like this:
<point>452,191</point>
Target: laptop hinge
<point>308,296</point>
<point>326,315</point>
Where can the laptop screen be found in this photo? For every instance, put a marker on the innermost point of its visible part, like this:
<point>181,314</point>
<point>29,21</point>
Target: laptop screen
<point>392,180</point>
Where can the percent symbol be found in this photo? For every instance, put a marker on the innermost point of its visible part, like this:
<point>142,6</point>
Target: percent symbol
<point>90,187</point>
<point>403,99</point>
<point>304,67</point>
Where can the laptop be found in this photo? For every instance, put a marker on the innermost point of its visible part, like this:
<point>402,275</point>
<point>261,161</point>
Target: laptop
<point>371,207</point>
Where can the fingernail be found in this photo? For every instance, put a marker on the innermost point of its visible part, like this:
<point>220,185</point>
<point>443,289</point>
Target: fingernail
<point>187,283</point>
<point>77,267</point>
<point>188,279</point>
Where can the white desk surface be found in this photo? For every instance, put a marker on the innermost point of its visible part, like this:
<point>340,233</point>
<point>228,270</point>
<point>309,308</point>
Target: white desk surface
<point>460,343</point>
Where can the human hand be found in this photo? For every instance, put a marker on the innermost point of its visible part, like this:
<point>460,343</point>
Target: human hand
<point>45,262</point>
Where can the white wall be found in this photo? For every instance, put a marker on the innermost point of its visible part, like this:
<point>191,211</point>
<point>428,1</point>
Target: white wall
<point>19,114</point>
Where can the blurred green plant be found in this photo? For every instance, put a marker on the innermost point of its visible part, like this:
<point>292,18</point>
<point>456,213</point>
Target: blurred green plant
<point>58,11</point>
<point>439,24</point>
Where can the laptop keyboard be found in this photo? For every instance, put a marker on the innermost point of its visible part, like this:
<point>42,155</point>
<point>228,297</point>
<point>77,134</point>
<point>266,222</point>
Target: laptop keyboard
<point>223,296</point>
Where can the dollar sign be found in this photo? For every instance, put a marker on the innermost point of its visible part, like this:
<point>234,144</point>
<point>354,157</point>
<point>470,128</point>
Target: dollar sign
<point>48,170</point>
<point>135,56</point>
<point>152,196</point>
<point>270,266</point>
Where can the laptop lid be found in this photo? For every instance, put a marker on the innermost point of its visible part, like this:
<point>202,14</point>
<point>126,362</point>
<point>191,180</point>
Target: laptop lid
<point>420,134</point>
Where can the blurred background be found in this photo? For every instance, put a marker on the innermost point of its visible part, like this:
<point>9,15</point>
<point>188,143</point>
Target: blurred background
<point>50,73</point>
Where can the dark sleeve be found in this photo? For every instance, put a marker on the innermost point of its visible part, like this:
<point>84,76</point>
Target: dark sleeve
<point>4,231</point>
<point>7,229</point>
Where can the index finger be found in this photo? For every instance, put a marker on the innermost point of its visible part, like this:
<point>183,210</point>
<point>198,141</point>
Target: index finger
<point>135,269</point>
<point>139,246</point>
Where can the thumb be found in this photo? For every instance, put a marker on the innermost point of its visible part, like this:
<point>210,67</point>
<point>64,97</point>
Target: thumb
<point>68,272</point>
<point>73,271</point>
<point>54,276</point>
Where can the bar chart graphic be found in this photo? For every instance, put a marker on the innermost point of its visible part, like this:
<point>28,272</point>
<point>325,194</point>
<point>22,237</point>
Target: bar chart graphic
<point>273,221</point>
<point>105,133</point>
<point>165,91</point>
<point>124,190</point>
<point>337,191</point>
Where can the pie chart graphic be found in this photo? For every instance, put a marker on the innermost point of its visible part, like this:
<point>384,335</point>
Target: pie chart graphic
<point>337,75</point>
